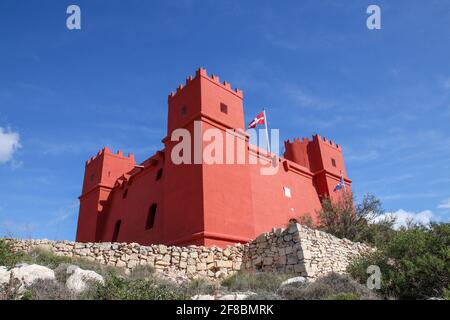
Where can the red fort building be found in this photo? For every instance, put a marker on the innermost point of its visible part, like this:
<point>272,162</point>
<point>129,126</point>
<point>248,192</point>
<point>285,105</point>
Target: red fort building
<point>163,202</point>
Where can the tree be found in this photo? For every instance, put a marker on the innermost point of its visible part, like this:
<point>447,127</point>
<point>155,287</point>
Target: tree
<point>364,222</point>
<point>414,263</point>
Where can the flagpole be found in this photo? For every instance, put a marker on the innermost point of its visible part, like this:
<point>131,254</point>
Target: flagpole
<point>267,130</point>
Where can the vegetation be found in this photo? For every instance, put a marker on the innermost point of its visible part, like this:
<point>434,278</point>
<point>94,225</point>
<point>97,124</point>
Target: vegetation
<point>121,288</point>
<point>8,258</point>
<point>255,281</point>
<point>330,286</point>
<point>363,222</point>
<point>414,263</point>
<point>141,284</point>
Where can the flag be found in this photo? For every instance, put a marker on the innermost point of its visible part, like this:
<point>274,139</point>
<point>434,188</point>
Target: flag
<point>259,119</point>
<point>340,185</point>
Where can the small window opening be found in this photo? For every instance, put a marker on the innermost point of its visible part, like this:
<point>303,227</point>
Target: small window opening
<point>116,231</point>
<point>125,194</point>
<point>224,108</point>
<point>92,177</point>
<point>183,110</point>
<point>151,216</point>
<point>159,174</point>
<point>333,162</point>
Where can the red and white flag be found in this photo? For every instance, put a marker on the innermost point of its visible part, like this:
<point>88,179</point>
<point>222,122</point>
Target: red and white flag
<point>259,119</point>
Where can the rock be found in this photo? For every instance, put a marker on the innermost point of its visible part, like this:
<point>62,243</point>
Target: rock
<point>293,228</point>
<point>121,264</point>
<point>228,296</point>
<point>298,249</point>
<point>4,276</point>
<point>295,280</point>
<point>261,238</point>
<point>28,274</point>
<point>292,259</point>
<point>79,279</point>
<point>203,297</point>
<point>268,261</point>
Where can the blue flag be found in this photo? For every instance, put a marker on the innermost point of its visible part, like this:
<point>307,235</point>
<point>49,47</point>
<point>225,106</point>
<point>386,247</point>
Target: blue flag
<point>340,185</point>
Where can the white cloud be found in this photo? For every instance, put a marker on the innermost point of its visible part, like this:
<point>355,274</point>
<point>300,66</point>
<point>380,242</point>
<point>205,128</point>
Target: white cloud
<point>445,204</point>
<point>9,143</point>
<point>403,217</point>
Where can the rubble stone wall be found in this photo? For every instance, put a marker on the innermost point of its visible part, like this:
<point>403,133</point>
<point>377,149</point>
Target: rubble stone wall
<point>297,249</point>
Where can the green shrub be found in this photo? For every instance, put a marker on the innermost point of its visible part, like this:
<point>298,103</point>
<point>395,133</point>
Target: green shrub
<point>200,286</point>
<point>11,289</point>
<point>330,285</point>
<point>360,222</point>
<point>447,293</point>
<point>120,288</point>
<point>45,258</point>
<point>44,289</point>
<point>8,258</point>
<point>60,263</point>
<point>414,264</point>
<point>264,296</point>
<point>344,296</point>
<point>255,281</point>
<point>142,272</point>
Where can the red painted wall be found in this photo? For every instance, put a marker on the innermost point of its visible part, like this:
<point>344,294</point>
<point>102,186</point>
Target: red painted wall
<point>204,204</point>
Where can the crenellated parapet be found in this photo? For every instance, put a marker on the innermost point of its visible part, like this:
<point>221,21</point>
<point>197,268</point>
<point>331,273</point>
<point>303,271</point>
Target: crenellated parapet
<point>327,142</point>
<point>106,151</point>
<point>201,72</point>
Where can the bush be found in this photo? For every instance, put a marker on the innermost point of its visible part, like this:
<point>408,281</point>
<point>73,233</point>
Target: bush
<point>360,223</point>
<point>255,281</point>
<point>60,263</point>
<point>120,288</point>
<point>326,287</point>
<point>447,293</point>
<point>8,258</point>
<point>414,264</point>
<point>200,286</point>
<point>344,296</point>
<point>142,272</point>
<point>45,258</point>
<point>264,296</point>
<point>48,290</point>
<point>11,289</point>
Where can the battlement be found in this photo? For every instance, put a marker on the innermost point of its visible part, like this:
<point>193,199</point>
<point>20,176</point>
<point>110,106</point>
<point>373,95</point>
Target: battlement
<point>316,137</point>
<point>201,72</point>
<point>296,141</point>
<point>327,142</point>
<point>106,151</point>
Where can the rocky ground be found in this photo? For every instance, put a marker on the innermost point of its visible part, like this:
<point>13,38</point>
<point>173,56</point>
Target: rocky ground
<point>69,281</point>
<point>50,270</point>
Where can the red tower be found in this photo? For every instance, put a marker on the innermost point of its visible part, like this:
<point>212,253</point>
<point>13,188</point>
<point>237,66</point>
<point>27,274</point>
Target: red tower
<point>197,202</point>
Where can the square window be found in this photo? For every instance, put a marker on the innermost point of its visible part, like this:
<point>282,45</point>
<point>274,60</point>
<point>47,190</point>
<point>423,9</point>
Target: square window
<point>224,108</point>
<point>287,192</point>
<point>333,162</point>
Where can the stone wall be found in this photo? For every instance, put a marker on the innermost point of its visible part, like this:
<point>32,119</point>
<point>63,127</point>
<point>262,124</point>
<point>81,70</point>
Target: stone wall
<point>301,250</point>
<point>297,249</point>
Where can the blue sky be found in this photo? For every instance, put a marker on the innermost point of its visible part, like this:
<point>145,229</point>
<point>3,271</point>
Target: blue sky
<point>384,95</point>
